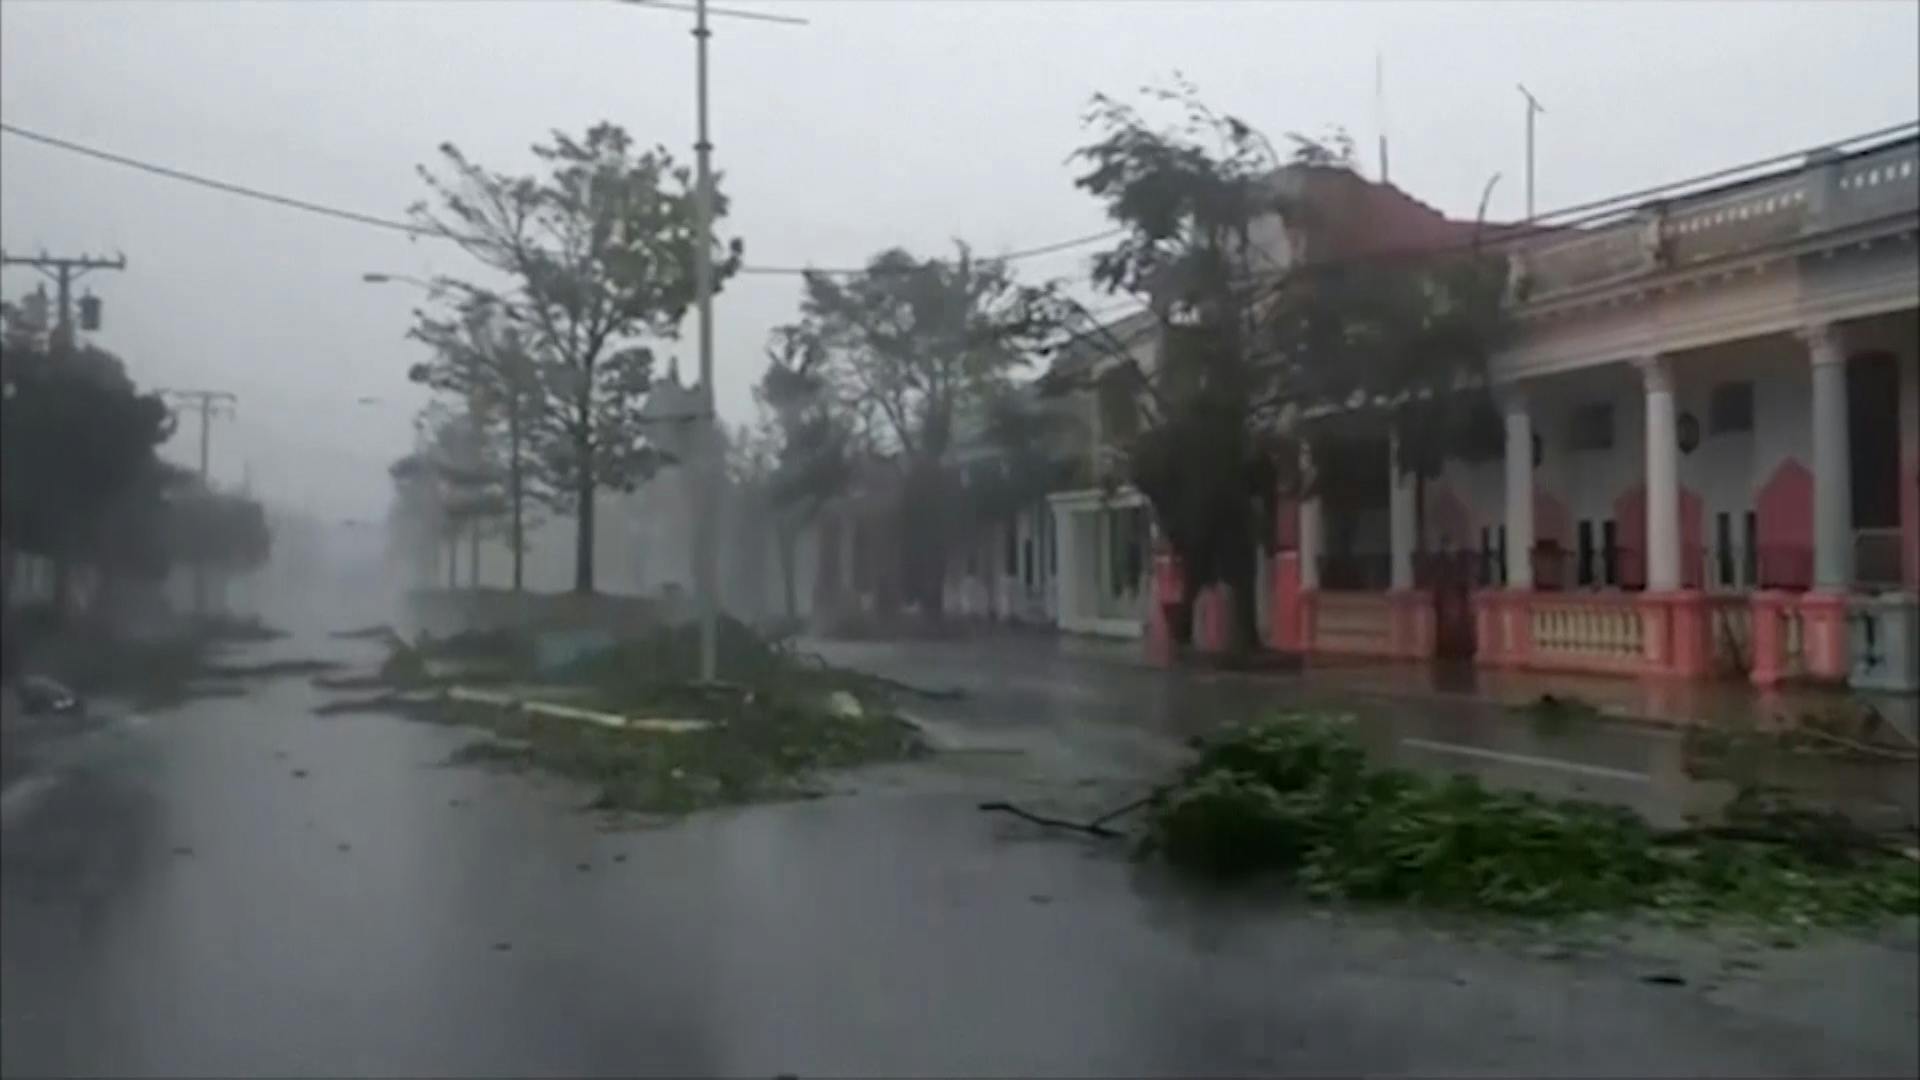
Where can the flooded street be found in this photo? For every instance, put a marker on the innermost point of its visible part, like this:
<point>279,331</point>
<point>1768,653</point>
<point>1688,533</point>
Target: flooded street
<point>237,887</point>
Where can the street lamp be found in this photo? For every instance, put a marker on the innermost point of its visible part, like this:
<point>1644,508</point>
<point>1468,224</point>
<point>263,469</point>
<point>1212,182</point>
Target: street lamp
<point>375,277</point>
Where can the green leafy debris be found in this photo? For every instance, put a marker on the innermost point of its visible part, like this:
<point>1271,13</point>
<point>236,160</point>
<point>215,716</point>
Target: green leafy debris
<point>1295,795</point>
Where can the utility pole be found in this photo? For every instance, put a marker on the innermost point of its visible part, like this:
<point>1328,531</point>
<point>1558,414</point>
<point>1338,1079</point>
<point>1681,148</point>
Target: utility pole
<point>1533,107</point>
<point>210,403</point>
<point>706,534</point>
<point>706,435</point>
<point>64,271</point>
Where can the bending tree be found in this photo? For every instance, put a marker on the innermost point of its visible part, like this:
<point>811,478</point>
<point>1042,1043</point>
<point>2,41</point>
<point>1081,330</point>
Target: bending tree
<point>483,360</point>
<point>1253,336</point>
<point>802,452</point>
<point>600,251</point>
<point>906,347</point>
<point>448,489</point>
<point>1205,450</point>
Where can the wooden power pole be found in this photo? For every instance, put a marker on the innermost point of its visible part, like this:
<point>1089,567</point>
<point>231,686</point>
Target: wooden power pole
<point>210,404</point>
<point>64,271</point>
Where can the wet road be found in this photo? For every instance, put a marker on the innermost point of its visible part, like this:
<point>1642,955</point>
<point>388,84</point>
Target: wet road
<point>240,888</point>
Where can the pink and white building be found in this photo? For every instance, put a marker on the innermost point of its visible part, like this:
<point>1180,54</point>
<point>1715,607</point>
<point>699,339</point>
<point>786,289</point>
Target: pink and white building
<point>1711,462</point>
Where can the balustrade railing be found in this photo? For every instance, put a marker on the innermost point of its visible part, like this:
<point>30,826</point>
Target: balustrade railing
<point>1824,194</point>
<point>1602,628</point>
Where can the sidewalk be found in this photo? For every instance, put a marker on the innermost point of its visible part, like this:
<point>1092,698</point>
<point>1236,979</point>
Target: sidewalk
<point>1082,695</point>
<point>1667,702</point>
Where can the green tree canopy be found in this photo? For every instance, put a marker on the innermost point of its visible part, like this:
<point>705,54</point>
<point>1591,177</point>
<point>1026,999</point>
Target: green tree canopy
<point>599,249</point>
<point>1254,337</point>
<point>904,349</point>
<point>82,484</point>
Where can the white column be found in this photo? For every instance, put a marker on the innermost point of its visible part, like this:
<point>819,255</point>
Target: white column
<point>1401,516</point>
<point>1519,489</point>
<point>1663,478</point>
<point>1832,473</point>
<point>1311,541</point>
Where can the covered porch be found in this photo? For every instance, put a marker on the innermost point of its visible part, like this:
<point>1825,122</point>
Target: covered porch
<point>1743,509</point>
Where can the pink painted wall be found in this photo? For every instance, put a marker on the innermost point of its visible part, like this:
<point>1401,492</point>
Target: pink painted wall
<point>1783,521</point>
<point>1630,511</point>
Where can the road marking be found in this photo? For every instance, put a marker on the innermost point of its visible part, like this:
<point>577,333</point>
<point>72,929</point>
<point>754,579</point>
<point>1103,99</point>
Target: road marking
<point>1561,764</point>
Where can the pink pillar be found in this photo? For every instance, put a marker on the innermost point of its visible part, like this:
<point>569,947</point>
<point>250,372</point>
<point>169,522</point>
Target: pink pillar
<point>1769,640</point>
<point>1692,624</point>
<point>1487,650</point>
<point>1167,585</point>
<point>1824,618</point>
<point>1503,627</point>
<point>1287,629</point>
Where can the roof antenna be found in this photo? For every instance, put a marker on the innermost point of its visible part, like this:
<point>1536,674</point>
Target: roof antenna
<point>1380,109</point>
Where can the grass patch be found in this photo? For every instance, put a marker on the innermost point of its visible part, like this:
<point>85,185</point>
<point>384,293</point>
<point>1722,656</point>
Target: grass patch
<point>765,751</point>
<point>777,721</point>
<point>1296,796</point>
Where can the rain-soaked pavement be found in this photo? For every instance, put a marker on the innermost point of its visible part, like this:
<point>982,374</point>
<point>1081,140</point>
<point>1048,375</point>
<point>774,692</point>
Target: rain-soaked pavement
<point>238,887</point>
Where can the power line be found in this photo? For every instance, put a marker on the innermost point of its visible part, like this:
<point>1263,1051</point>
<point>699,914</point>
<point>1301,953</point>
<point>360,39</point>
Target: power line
<point>1023,253</point>
<point>1549,222</point>
<point>730,13</point>
<point>414,229</point>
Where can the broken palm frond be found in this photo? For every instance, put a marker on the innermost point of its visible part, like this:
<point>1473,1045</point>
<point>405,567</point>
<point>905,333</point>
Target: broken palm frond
<point>1296,796</point>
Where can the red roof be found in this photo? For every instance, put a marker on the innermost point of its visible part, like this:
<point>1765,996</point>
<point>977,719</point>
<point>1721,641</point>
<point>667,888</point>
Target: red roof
<point>1349,216</point>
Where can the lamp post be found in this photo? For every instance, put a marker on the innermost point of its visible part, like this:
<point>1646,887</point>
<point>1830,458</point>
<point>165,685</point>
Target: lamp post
<point>706,449</point>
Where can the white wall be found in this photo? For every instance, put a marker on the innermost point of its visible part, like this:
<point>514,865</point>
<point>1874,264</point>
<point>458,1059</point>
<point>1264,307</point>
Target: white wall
<point>1726,470</point>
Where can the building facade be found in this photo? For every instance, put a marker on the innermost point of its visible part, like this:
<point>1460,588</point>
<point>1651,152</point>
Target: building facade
<point>1711,461</point>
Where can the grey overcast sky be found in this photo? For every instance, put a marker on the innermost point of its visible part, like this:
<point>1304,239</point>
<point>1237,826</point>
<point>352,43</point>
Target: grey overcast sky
<point>884,122</point>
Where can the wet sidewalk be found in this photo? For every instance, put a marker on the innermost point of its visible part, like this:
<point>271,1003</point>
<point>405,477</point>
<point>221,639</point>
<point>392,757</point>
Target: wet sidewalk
<point>1632,750</point>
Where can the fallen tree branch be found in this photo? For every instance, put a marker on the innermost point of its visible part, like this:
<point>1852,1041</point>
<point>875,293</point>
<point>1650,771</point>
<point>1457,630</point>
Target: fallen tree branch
<point>1092,828</point>
<point>1096,827</point>
<point>1889,753</point>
